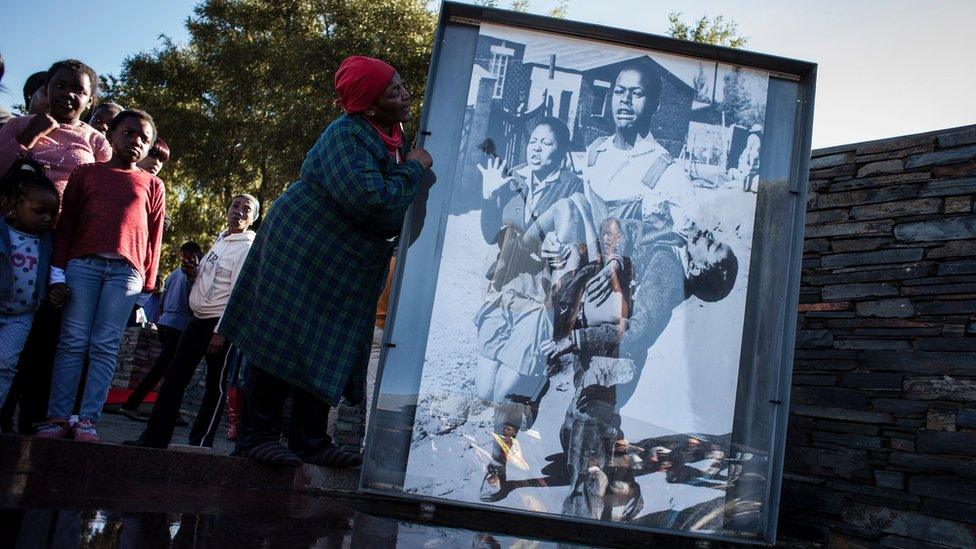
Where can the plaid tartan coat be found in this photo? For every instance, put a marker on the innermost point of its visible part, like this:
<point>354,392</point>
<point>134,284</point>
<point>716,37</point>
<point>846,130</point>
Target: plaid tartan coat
<point>304,306</point>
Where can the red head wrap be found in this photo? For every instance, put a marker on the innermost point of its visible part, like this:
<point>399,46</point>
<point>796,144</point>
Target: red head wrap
<point>359,82</point>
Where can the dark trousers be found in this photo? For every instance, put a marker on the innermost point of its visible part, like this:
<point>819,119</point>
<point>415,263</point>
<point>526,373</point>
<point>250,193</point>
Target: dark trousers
<point>264,404</point>
<point>190,351</point>
<point>32,384</point>
<point>170,339</point>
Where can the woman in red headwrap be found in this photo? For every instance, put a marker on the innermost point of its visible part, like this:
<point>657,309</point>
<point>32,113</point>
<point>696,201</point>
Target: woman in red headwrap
<point>303,308</point>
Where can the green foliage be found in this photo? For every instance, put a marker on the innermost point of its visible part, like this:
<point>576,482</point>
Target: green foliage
<point>716,31</point>
<point>561,10</point>
<point>738,104</point>
<point>246,97</point>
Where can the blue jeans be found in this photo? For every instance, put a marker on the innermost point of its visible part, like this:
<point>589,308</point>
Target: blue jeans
<point>103,292</point>
<point>13,336</point>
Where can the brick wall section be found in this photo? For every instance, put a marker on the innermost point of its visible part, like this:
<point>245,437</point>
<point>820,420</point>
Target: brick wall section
<point>881,449</point>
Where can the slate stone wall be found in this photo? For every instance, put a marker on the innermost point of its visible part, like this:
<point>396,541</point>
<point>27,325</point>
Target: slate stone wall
<point>881,449</point>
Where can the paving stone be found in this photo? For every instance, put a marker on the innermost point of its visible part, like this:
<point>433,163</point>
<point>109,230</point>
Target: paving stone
<point>831,160</point>
<point>967,344</point>
<point>944,388</point>
<point>919,362</point>
<point>950,510</point>
<point>943,442</point>
<point>939,289</point>
<point>872,344</point>
<point>920,206</point>
<point>903,444</point>
<point>857,244</point>
<point>814,379</point>
<point>835,306</point>
<point>814,338</point>
<point>858,228</point>
<point>898,332</point>
<point>829,216</point>
<point>879,181</point>
<point>967,266</point>
<point>954,139</point>
<point>890,480</point>
<point>909,524</point>
<point>835,171</point>
<point>894,144</point>
<point>842,414</point>
<point>829,396</point>
<point>845,427</point>
<point>874,495</point>
<point>847,440</point>
<point>906,272</point>
<point>855,291</point>
<point>881,323</point>
<point>872,380</point>
<point>953,228</point>
<point>915,462</point>
<point>899,406</point>
<point>942,487</point>
<point>958,204</point>
<point>816,245</point>
<point>901,153</point>
<point>867,196</point>
<point>941,158</point>
<point>881,167</point>
<point>890,308</point>
<point>963,169</point>
<point>825,365</point>
<point>946,308</point>
<point>966,419</point>
<point>940,421</point>
<point>949,187</point>
<point>881,257</point>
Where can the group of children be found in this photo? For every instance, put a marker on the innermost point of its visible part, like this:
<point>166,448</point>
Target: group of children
<point>80,240</point>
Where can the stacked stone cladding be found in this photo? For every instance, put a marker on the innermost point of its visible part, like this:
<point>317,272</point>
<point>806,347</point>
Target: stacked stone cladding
<point>881,447</point>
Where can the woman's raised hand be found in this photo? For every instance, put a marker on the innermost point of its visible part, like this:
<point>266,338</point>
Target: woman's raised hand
<point>492,176</point>
<point>422,156</point>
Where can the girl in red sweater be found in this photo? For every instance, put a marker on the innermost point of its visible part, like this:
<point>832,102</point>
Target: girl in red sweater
<point>106,251</point>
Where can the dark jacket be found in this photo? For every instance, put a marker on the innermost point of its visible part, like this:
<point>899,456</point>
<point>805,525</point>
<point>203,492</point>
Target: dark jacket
<point>304,305</point>
<point>6,269</point>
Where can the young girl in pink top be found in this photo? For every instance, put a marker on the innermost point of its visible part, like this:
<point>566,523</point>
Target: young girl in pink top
<point>59,141</point>
<point>106,251</point>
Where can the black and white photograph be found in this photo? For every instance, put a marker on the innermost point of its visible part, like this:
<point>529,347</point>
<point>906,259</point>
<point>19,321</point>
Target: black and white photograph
<point>584,343</point>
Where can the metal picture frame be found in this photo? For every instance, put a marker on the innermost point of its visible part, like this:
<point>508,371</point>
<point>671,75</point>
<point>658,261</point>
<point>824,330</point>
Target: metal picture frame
<point>767,347</point>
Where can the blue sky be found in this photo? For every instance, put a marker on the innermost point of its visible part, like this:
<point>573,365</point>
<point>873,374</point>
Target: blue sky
<point>887,67</point>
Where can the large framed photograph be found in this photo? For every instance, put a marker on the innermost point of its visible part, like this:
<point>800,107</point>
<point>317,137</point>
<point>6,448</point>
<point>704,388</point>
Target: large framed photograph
<point>582,329</point>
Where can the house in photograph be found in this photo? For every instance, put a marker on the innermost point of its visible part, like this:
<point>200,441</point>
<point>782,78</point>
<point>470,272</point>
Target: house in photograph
<point>514,84</point>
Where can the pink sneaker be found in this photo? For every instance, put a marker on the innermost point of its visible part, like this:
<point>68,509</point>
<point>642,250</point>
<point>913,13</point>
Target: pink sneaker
<point>54,428</point>
<point>84,431</point>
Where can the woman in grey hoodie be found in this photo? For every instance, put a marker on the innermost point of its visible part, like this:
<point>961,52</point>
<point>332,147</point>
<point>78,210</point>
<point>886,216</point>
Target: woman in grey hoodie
<point>216,276</point>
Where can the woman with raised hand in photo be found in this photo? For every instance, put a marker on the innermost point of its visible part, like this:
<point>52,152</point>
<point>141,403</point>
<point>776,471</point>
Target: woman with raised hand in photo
<point>106,251</point>
<point>309,336</point>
